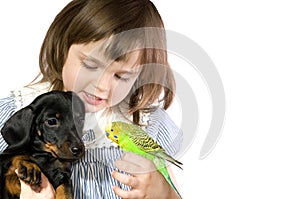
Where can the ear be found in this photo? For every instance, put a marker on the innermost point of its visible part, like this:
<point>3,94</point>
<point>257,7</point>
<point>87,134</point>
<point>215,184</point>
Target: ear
<point>17,130</point>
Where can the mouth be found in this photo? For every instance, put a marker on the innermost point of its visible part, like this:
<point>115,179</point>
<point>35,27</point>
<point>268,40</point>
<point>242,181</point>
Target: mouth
<point>92,99</point>
<point>62,156</point>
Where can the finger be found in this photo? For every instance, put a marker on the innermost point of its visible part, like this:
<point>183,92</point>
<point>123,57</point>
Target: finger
<point>136,163</point>
<point>127,194</point>
<point>130,181</point>
<point>129,167</point>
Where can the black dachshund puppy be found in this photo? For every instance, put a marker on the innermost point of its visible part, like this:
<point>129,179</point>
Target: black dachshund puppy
<point>45,136</point>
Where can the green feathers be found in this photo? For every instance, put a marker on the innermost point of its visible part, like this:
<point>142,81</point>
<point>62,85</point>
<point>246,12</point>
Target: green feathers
<point>132,138</point>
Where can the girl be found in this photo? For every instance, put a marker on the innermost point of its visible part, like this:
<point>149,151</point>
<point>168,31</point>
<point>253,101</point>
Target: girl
<point>112,53</point>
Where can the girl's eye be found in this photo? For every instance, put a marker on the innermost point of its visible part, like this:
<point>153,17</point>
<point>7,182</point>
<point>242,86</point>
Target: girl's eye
<point>52,122</point>
<point>88,66</point>
<point>126,79</point>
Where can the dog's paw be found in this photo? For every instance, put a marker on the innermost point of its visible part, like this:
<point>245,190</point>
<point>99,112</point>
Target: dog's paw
<point>30,173</point>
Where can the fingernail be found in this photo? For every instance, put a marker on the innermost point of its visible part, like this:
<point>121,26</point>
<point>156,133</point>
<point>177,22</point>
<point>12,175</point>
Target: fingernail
<point>113,173</point>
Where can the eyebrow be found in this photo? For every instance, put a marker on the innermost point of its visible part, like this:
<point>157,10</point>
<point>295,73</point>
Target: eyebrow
<point>133,71</point>
<point>129,72</point>
<point>92,59</point>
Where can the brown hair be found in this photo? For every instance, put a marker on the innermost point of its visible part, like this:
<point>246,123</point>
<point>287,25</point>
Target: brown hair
<point>84,21</point>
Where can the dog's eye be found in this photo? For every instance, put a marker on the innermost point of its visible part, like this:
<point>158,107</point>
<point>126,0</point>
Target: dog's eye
<point>52,122</point>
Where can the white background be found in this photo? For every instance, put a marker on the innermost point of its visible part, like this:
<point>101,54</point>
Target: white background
<point>255,46</point>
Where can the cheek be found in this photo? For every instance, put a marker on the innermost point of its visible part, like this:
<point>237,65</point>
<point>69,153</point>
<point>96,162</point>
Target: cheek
<point>120,91</point>
<point>71,76</point>
<point>68,74</point>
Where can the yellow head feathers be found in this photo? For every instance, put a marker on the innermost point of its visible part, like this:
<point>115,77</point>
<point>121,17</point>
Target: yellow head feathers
<point>112,133</point>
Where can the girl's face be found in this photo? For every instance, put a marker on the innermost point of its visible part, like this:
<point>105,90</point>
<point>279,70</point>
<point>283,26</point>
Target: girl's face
<point>99,82</point>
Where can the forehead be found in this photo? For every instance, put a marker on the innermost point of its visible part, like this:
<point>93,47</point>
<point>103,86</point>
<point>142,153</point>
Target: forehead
<point>106,51</point>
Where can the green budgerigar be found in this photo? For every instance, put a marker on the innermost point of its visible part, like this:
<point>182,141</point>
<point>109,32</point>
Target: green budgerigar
<point>132,138</point>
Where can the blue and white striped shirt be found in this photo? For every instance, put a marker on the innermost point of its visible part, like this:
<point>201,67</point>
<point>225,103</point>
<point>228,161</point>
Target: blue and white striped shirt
<point>91,175</point>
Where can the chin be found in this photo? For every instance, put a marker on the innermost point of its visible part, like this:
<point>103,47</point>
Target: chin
<point>89,109</point>
<point>92,109</point>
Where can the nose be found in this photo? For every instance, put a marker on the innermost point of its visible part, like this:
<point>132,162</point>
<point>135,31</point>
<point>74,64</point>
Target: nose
<point>77,150</point>
<point>104,81</point>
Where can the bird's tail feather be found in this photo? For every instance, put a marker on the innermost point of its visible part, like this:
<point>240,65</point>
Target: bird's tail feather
<point>167,157</point>
<point>161,166</point>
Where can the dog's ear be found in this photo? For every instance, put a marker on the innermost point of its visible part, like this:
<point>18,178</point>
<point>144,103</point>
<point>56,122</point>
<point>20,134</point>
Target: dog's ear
<point>18,129</point>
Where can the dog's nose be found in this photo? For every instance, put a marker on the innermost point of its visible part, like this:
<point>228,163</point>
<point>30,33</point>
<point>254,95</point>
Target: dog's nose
<point>77,150</point>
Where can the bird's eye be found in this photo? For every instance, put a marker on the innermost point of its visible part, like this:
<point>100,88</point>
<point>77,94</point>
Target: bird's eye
<point>52,122</point>
<point>112,130</point>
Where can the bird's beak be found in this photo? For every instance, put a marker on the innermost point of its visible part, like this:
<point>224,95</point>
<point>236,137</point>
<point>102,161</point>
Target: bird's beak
<point>107,129</point>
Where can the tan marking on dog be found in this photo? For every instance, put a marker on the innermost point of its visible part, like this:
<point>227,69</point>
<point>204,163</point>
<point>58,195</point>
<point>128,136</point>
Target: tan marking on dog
<point>52,148</point>
<point>39,133</point>
<point>12,182</point>
<point>62,193</point>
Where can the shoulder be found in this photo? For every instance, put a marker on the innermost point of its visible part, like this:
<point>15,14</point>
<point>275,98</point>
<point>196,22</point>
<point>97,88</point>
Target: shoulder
<point>25,95</point>
<point>19,98</point>
<point>163,129</point>
<point>7,109</point>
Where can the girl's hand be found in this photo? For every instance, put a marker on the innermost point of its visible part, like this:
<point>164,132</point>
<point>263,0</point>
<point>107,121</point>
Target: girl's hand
<point>145,182</point>
<point>46,190</point>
